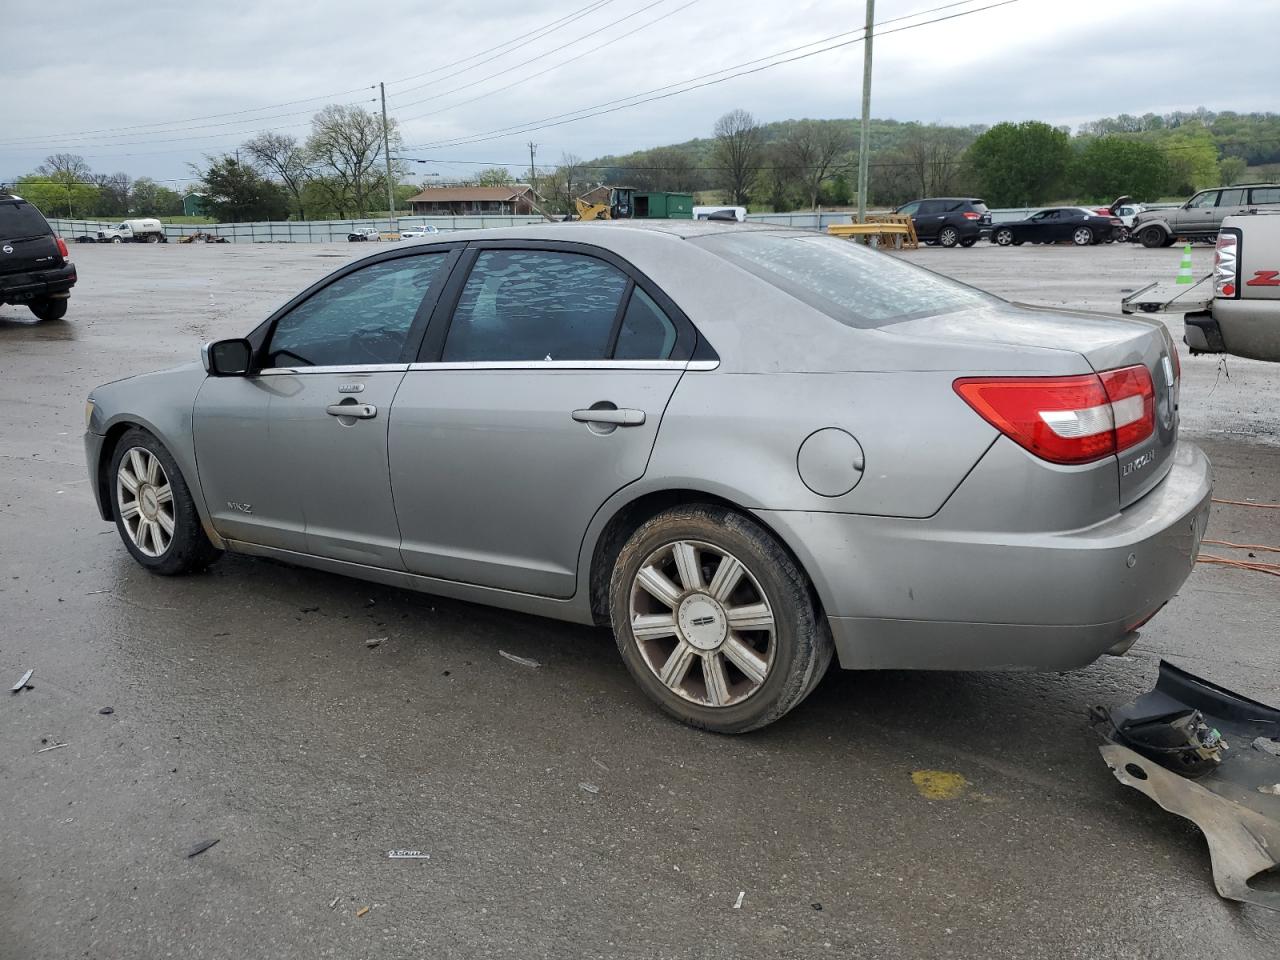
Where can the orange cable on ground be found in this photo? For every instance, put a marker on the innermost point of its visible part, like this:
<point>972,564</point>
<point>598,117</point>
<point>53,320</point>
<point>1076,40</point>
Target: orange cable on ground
<point>1270,568</point>
<point>1243,546</point>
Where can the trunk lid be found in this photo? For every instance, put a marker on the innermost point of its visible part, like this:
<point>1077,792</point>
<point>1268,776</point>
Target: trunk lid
<point>1105,343</point>
<point>26,240</point>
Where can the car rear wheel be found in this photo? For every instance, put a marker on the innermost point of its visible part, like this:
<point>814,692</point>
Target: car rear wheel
<point>154,511</point>
<point>116,240</point>
<point>49,309</point>
<point>1122,235</point>
<point>715,620</point>
<point>1082,237</point>
<point>1003,237</point>
<point>948,236</point>
<point>1152,237</point>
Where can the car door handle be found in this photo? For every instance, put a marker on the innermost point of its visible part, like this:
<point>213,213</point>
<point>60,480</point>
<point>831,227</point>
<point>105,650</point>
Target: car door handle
<point>618,418</point>
<point>360,411</point>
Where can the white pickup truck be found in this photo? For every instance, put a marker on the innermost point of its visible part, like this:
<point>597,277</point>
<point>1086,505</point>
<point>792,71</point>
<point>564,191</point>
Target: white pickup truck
<point>144,230</point>
<point>1235,309</point>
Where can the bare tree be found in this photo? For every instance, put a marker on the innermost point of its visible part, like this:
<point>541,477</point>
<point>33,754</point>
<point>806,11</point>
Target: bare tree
<point>812,148</point>
<point>933,156</point>
<point>739,147</point>
<point>281,155</point>
<point>114,193</point>
<point>65,168</point>
<point>346,143</point>
<point>568,180</point>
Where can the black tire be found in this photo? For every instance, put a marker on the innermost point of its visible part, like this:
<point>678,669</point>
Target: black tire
<point>49,309</point>
<point>152,238</point>
<point>117,240</point>
<point>1084,237</point>
<point>1122,235</point>
<point>1152,237</point>
<point>1003,237</point>
<point>968,242</point>
<point>189,549</point>
<point>948,236</point>
<point>802,641</point>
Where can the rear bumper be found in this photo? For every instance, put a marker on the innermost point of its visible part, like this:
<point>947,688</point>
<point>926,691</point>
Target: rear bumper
<point>1248,327</point>
<point>920,594</point>
<point>34,284</point>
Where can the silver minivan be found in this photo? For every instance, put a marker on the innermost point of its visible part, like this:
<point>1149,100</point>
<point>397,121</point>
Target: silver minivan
<point>1201,216</point>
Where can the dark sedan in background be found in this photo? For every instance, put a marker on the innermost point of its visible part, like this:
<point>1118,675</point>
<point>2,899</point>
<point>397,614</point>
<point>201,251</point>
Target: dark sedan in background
<point>1082,227</point>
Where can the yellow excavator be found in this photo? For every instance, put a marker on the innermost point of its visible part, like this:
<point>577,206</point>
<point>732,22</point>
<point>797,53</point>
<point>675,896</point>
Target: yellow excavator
<point>621,206</point>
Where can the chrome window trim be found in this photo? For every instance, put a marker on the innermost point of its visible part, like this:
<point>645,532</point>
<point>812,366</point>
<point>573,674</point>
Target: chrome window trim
<point>567,365</point>
<point>354,369</point>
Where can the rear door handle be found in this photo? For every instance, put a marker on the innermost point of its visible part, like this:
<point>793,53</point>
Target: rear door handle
<point>360,411</point>
<point>618,418</point>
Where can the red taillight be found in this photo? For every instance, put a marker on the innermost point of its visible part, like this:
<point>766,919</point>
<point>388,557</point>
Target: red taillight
<point>1067,419</point>
<point>1133,404</point>
<point>62,247</point>
<point>973,216</point>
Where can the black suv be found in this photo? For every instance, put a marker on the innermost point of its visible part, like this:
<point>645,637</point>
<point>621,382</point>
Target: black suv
<point>35,268</point>
<point>949,220</point>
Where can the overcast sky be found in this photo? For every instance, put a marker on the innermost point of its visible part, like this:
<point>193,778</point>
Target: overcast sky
<point>161,71</point>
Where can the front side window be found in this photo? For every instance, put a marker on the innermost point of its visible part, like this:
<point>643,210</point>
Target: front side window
<point>361,318</point>
<point>909,209</point>
<point>535,305</point>
<point>1207,199</point>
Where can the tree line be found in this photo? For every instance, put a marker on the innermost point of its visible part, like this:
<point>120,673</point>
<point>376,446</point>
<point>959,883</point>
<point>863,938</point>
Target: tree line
<point>338,171</point>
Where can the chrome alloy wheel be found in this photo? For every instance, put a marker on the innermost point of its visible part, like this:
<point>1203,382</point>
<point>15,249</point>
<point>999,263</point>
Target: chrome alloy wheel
<point>145,501</point>
<point>702,623</point>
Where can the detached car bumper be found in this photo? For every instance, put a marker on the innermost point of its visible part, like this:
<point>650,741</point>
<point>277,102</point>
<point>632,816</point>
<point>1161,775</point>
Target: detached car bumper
<point>34,284</point>
<point>923,595</point>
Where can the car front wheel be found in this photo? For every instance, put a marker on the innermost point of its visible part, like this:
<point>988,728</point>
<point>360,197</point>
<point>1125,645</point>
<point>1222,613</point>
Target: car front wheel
<point>715,620</point>
<point>1082,237</point>
<point>1152,237</point>
<point>50,308</point>
<point>154,511</point>
<point>948,236</point>
<point>1003,237</point>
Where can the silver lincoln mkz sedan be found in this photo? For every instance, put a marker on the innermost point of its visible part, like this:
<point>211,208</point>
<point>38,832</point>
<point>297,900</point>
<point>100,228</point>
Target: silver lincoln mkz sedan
<point>745,449</point>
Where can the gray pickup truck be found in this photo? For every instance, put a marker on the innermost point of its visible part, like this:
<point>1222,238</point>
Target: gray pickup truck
<point>1235,309</point>
<point>1201,216</point>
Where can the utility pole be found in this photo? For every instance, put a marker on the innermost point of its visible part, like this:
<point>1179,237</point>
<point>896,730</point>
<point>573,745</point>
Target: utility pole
<point>533,171</point>
<point>864,145</point>
<point>386,149</point>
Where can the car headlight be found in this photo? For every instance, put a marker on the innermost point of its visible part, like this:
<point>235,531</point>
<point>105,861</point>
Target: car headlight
<point>88,412</point>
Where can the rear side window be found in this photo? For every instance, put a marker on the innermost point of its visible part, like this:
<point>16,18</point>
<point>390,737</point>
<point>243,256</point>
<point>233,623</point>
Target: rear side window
<point>930,206</point>
<point>20,219</point>
<point>1231,198</point>
<point>535,305</point>
<point>978,206</point>
<point>846,281</point>
<point>1265,195</point>
<point>646,332</point>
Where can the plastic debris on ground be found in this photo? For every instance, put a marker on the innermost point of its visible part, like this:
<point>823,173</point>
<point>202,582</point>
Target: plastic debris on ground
<point>407,855</point>
<point>375,642</point>
<point>201,847</point>
<point>25,679</point>
<point>1184,745</point>
<point>523,661</point>
<point>737,904</point>
<point>589,787</point>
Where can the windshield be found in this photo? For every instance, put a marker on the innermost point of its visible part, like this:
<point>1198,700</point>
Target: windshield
<point>20,219</point>
<point>846,281</point>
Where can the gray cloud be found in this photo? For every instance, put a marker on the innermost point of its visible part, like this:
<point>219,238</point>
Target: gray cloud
<point>109,66</point>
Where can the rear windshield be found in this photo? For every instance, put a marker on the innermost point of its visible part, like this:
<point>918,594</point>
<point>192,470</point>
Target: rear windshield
<point>20,219</point>
<point>845,280</point>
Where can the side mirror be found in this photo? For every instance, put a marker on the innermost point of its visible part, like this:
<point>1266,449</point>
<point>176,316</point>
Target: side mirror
<point>227,358</point>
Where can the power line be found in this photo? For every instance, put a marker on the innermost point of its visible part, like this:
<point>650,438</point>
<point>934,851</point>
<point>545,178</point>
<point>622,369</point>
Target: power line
<point>165,123</point>
<point>555,66</point>
<point>523,63</point>
<point>536,34</point>
<point>580,114</point>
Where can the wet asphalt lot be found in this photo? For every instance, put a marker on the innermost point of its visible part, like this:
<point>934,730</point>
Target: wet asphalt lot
<point>247,708</point>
